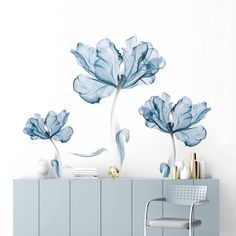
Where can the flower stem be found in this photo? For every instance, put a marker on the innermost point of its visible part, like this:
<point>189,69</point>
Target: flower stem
<point>174,148</point>
<point>112,120</point>
<point>114,124</point>
<point>57,156</point>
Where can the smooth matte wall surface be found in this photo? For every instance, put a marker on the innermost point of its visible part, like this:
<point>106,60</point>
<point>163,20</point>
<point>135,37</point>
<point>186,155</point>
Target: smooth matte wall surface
<point>197,39</point>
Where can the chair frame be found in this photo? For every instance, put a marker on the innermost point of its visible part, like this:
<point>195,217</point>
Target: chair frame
<point>192,205</point>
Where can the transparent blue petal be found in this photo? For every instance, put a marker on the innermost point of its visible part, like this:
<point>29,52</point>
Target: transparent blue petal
<point>54,122</point>
<point>35,128</point>
<point>130,44</point>
<point>63,135</point>
<point>38,124</point>
<point>92,90</point>
<point>121,136</point>
<point>152,119</point>
<point>181,112</point>
<point>141,61</point>
<point>62,117</point>
<point>55,165</point>
<point>198,112</point>
<point>156,112</point>
<point>131,54</point>
<point>163,106</point>
<point>146,81</point>
<point>107,65</point>
<point>86,57</point>
<point>53,126</point>
<point>92,154</point>
<point>165,170</point>
<point>191,136</point>
<point>132,61</point>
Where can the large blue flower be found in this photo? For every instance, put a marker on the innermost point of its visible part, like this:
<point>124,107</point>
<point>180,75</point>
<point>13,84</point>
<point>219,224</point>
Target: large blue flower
<point>52,127</point>
<point>103,63</point>
<point>110,71</point>
<point>179,120</point>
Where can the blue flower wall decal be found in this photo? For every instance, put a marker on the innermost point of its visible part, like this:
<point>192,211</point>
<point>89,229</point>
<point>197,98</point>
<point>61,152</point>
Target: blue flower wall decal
<point>179,120</point>
<point>52,128</point>
<point>109,71</point>
<point>141,63</point>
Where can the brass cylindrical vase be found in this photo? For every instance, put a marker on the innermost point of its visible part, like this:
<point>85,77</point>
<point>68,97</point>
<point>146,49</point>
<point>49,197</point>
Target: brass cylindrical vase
<point>194,167</point>
<point>175,172</point>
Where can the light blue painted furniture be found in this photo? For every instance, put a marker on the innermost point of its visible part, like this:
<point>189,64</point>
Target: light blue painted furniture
<point>103,207</point>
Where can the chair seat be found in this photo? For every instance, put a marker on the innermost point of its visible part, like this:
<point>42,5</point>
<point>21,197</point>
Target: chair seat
<point>174,223</point>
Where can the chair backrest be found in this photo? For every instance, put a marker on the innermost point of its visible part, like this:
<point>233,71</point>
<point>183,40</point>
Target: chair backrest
<point>185,194</point>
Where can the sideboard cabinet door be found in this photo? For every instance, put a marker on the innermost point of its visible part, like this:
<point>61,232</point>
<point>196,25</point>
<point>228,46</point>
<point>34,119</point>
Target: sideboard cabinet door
<point>85,207</point>
<point>25,201</point>
<point>208,213</point>
<point>116,207</point>
<point>142,191</point>
<point>54,207</point>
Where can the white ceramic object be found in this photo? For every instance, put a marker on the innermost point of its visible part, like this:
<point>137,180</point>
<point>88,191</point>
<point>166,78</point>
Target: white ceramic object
<point>43,168</point>
<point>180,165</point>
<point>202,169</point>
<point>184,174</point>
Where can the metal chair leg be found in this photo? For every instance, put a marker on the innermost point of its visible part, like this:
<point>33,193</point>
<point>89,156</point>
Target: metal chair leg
<point>189,232</point>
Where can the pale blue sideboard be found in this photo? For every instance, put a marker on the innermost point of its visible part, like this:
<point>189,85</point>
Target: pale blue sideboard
<point>103,207</point>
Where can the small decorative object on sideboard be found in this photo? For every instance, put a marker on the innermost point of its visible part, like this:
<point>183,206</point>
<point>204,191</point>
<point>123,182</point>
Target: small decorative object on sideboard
<point>114,172</point>
<point>184,174</point>
<point>178,120</point>
<point>85,173</point>
<point>202,169</point>
<point>194,167</point>
<point>176,173</point>
<point>180,165</point>
<point>42,168</point>
<point>52,128</point>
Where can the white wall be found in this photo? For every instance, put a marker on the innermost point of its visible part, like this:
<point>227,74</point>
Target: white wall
<point>197,39</point>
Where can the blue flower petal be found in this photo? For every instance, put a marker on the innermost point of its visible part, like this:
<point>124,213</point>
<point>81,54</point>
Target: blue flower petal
<point>182,117</point>
<point>92,154</point>
<point>141,61</point>
<point>35,128</point>
<point>164,169</point>
<point>107,66</point>
<point>192,136</point>
<point>198,112</point>
<point>133,55</point>
<point>86,57</point>
<point>54,122</point>
<point>53,126</point>
<point>92,90</point>
<point>121,136</point>
<point>55,164</point>
<point>156,112</point>
<point>130,44</point>
<point>63,135</point>
<point>62,117</point>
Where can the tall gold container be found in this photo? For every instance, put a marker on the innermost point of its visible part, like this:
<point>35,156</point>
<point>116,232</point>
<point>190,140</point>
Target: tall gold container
<point>194,167</point>
<point>176,173</point>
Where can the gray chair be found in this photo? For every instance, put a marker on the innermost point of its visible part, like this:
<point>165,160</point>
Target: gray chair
<point>182,195</point>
